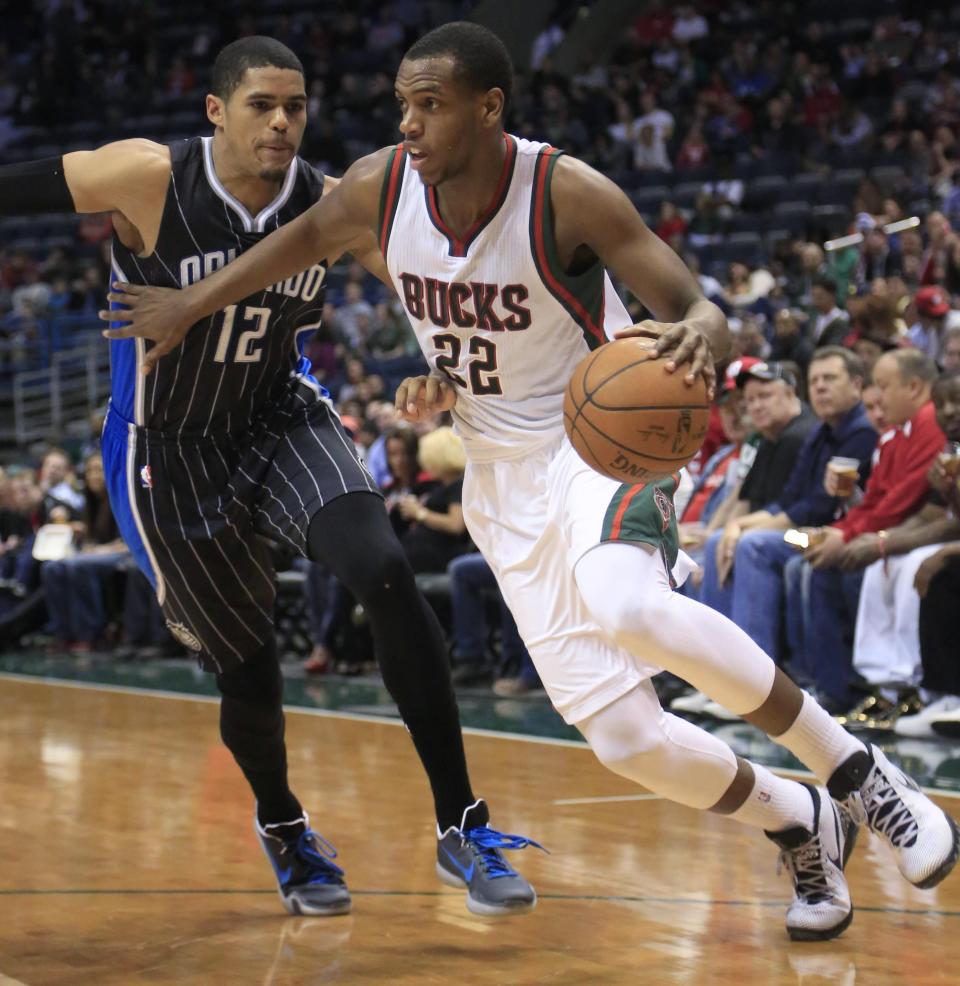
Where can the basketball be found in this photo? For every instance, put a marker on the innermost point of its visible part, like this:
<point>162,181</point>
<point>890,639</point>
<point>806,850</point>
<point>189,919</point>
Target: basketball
<point>629,418</point>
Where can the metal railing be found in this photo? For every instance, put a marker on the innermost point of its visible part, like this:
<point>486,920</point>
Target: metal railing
<point>56,401</point>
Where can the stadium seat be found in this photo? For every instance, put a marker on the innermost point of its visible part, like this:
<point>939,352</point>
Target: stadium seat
<point>649,199</point>
<point>686,194</point>
<point>832,220</point>
<point>764,191</point>
<point>887,175</point>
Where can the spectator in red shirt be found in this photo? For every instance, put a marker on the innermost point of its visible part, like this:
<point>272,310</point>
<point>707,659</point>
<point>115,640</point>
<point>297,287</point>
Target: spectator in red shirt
<point>886,645</point>
<point>671,226</point>
<point>822,102</point>
<point>655,25</point>
<point>694,151</point>
<point>897,488</point>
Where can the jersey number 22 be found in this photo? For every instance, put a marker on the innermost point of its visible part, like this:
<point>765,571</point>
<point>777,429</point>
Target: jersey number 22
<point>481,370</point>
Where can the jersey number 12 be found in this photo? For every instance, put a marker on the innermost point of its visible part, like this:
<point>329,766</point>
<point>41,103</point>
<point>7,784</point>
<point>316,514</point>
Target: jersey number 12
<point>248,348</point>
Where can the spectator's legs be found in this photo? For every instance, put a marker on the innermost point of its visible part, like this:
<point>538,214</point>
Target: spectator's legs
<point>757,605</point>
<point>85,575</point>
<point>137,615</point>
<point>712,594</point>
<point>938,632</point>
<point>796,592</point>
<point>316,596</point>
<point>56,587</point>
<point>886,648</point>
<point>27,568</point>
<point>470,581</point>
<point>828,646</point>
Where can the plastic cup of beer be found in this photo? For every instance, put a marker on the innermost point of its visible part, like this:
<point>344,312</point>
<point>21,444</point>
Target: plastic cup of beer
<point>950,459</point>
<point>846,472</point>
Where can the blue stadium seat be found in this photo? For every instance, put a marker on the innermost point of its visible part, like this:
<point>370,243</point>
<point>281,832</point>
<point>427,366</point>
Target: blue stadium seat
<point>649,199</point>
<point>887,175</point>
<point>765,190</point>
<point>794,216</point>
<point>686,194</point>
<point>745,222</point>
<point>832,220</point>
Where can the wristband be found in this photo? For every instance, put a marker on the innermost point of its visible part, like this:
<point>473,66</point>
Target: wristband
<point>34,187</point>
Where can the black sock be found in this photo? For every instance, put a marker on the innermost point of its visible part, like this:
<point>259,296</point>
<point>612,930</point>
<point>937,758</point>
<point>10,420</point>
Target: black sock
<point>352,537</point>
<point>252,727</point>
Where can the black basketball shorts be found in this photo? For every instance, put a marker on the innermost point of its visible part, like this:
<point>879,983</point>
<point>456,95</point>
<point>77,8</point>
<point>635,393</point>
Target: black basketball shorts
<point>197,513</point>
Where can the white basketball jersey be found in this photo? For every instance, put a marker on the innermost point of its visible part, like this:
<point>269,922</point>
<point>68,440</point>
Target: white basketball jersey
<point>493,311</point>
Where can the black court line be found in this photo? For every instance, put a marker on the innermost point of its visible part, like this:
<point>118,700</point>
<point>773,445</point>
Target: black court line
<point>603,898</point>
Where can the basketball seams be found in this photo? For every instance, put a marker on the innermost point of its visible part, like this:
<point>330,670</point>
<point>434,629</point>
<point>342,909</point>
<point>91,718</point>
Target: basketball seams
<point>626,448</point>
<point>583,387</point>
<point>582,446</point>
<point>650,407</point>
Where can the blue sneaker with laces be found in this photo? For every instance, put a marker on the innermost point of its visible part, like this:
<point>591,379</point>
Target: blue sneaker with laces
<point>308,882</point>
<point>471,857</point>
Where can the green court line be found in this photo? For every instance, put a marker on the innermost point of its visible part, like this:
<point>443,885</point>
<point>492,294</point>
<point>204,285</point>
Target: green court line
<point>601,898</point>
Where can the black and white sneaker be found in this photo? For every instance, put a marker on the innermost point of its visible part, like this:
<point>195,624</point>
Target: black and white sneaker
<point>471,857</point>
<point>923,838</point>
<point>821,907</point>
<point>307,881</point>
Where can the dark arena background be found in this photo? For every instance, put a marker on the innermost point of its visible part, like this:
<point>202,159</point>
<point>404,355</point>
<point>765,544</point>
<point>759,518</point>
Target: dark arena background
<point>803,160</point>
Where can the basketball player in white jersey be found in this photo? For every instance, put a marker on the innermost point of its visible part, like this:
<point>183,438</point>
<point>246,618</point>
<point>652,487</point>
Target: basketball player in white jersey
<point>498,247</point>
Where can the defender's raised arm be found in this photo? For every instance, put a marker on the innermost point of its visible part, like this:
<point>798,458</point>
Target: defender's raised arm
<point>128,178</point>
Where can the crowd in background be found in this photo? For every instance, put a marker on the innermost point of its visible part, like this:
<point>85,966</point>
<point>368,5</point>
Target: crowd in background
<point>748,135</point>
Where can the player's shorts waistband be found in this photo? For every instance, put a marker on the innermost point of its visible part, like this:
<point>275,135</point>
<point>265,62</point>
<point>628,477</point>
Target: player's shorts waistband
<point>116,424</point>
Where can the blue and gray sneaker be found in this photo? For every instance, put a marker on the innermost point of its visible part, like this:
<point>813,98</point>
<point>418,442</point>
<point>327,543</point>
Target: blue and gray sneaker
<point>471,857</point>
<point>308,883</point>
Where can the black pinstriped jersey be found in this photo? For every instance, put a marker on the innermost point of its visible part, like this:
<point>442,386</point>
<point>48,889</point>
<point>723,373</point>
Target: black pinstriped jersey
<point>234,361</point>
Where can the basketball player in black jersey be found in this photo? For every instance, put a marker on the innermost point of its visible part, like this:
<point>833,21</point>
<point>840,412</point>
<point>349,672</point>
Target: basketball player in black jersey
<point>232,442</point>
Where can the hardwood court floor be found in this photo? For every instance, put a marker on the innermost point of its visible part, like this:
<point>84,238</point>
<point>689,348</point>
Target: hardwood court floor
<point>128,856</point>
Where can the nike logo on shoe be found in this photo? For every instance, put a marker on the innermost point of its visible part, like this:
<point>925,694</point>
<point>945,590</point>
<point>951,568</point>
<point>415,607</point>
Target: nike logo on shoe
<point>467,873</point>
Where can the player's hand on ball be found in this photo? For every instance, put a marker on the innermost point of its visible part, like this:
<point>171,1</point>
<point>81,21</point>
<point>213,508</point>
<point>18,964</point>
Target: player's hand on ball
<point>421,397</point>
<point>682,342</point>
<point>159,314</point>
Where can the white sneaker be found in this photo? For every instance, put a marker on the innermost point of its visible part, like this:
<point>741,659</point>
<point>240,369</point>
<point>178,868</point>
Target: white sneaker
<point>821,907</point>
<point>919,726</point>
<point>691,702</point>
<point>717,711</point>
<point>923,838</point>
<point>947,723</point>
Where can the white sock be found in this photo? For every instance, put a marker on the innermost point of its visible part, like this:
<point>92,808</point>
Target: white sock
<point>818,740</point>
<point>775,803</point>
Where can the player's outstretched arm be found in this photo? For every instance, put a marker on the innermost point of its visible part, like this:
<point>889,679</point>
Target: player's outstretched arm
<point>326,230</point>
<point>365,249</point>
<point>128,177</point>
<point>690,328</point>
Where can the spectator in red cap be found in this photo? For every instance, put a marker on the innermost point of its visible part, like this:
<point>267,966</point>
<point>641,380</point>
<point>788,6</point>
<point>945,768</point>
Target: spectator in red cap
<point>933,306</point>
<point>716,433</point>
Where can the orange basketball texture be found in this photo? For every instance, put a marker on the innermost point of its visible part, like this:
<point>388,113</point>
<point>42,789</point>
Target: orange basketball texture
<point>628,418</point>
